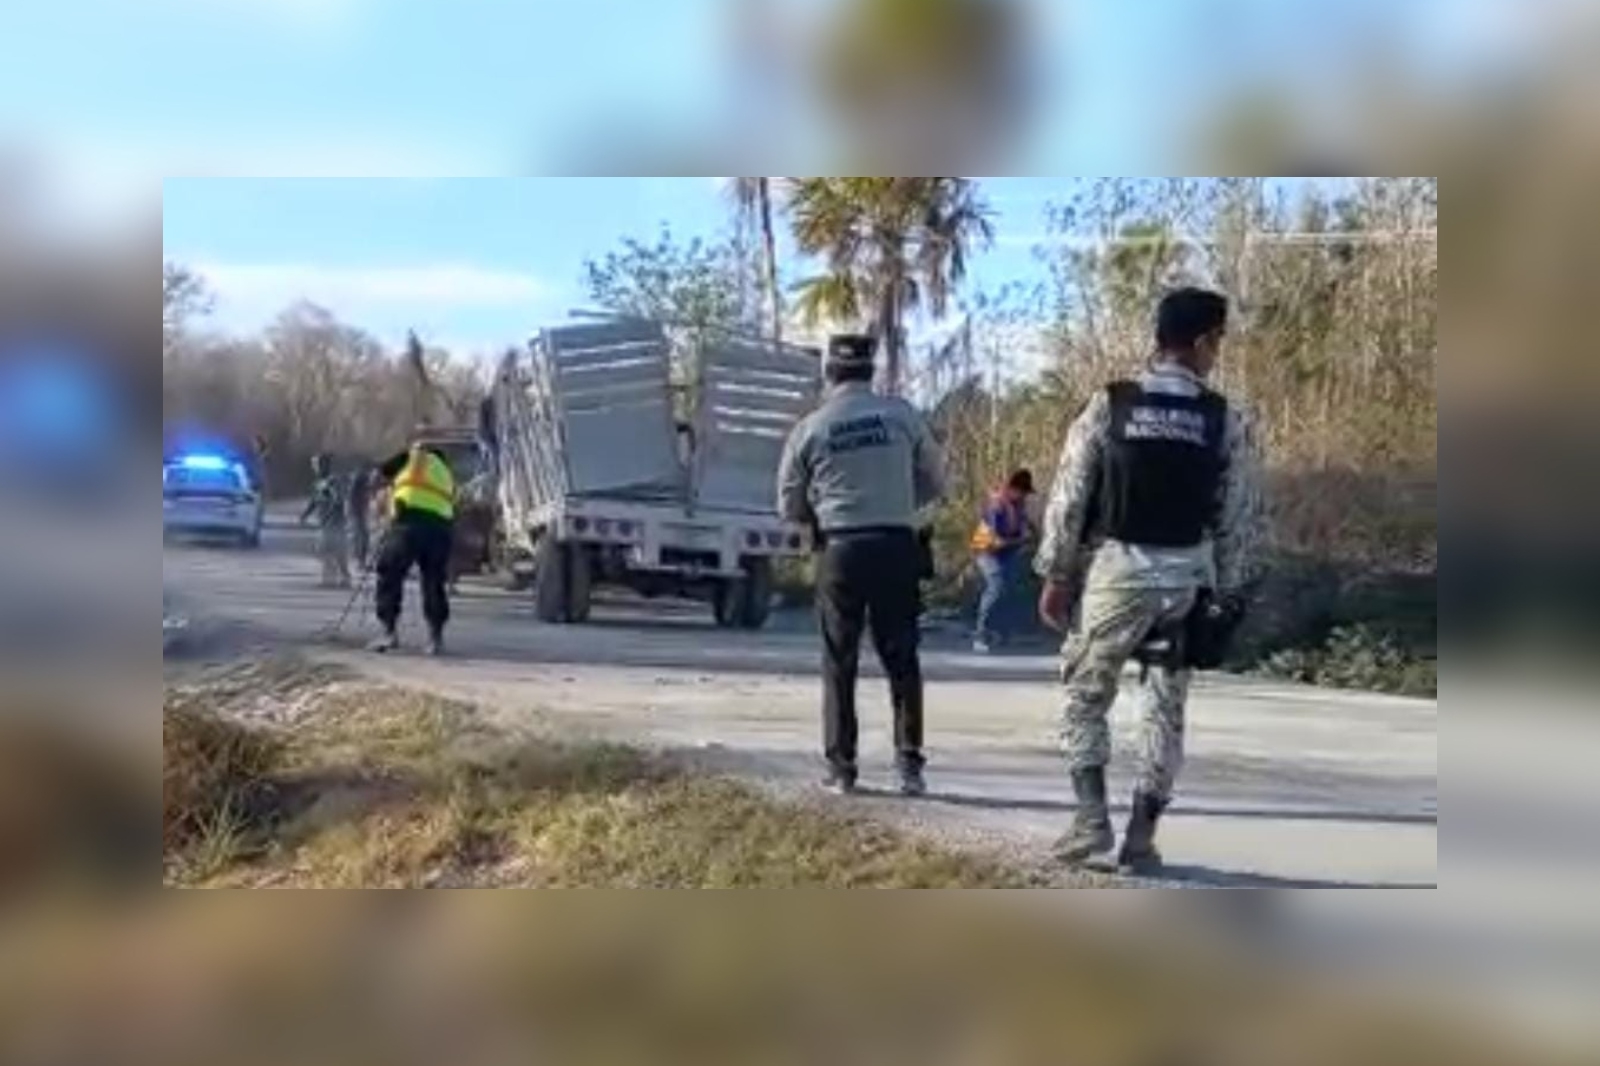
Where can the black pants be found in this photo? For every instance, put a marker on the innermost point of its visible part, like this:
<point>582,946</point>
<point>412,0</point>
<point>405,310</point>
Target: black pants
<point>870,577</point>
<point>423,543</point>
<point>360,542</point>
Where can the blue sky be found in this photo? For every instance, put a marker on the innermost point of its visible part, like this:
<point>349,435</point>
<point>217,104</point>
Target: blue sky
<point>473,263</point>
<point>116,95</point>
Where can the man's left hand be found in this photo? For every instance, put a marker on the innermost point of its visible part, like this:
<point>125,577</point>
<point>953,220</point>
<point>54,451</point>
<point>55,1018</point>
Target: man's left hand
<point>1055,604</point>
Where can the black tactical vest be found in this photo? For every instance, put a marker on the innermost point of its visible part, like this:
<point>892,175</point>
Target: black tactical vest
<point>1160,476</point>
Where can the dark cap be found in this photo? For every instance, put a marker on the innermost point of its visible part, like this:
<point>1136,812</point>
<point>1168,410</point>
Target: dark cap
<point>851,349</point>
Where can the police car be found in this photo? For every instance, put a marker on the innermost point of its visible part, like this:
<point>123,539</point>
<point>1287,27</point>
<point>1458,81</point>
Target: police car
<point>210,495</point>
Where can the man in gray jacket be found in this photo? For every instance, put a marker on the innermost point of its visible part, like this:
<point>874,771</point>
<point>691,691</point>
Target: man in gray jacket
<point>857,470</point>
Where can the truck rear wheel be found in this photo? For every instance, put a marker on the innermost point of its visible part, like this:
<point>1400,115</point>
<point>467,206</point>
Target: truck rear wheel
<point>745,602</point>
<point>561,592</point>
<point>727,601</point>
<point>756,606</point>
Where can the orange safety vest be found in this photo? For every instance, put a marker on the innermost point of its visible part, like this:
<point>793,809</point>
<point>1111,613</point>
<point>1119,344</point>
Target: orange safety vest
<point>984,537</point>
<point>425,486</point>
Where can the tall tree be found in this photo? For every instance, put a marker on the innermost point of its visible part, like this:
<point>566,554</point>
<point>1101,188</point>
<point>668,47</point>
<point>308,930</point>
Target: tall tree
<point>184,295</point>
<point>754,199</point>
<point>891,245</point>
<point>692,284</point>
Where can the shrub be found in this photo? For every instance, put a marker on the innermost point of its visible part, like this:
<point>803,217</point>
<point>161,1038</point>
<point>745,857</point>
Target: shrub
<point>1357,657</point>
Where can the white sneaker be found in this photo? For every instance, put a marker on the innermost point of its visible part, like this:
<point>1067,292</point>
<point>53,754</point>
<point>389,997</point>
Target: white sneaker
<point>981,647</point>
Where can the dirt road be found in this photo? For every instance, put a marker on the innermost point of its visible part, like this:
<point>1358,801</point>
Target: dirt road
<point>1285,786</point>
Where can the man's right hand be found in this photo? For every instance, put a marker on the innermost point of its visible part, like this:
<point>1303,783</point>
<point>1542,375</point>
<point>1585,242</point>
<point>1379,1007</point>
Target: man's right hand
<point>1055,605</point>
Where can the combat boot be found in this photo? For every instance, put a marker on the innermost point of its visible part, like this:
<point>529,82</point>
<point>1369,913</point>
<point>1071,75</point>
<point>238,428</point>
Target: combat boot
<point>912,784</point>
<point>1090,834</point>
<point>435,643</point>
<point>1139,855</point>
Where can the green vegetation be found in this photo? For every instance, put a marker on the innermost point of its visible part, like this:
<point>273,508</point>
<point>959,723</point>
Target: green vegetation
<point>1357,658</point>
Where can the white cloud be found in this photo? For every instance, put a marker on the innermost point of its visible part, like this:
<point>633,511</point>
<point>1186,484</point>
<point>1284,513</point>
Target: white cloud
<point>440,285</point>
<point>471,310</point>
<point>319,15</point>
<point>307,154</point>
<point>88,183</point>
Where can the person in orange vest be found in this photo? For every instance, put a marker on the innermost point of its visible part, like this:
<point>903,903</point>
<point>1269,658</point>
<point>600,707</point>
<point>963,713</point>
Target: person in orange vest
<point>997,549</point>
<point>422,505</point>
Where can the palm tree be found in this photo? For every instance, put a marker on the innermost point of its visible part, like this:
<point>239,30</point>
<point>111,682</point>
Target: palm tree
<point>754,199</point>
<point>892,246</point>
<point>913,81</point>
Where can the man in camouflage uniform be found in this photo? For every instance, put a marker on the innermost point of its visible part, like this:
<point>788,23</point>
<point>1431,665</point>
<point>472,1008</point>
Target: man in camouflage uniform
<point>328,506</point>
<point>1158,492</point>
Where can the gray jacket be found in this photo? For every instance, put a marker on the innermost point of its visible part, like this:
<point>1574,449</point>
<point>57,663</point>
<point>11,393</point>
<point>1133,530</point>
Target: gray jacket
<point>860,460</point>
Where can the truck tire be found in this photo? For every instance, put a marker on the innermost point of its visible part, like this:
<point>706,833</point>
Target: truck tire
<point>755,602</point>
<point>727,602</point>
<point>580,584</point>
<point>561,588</point>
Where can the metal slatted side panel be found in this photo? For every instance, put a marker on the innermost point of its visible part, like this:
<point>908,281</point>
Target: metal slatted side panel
<point>528,478</point>
<point>610,383</point>
<point>544,431</point>
<point>752,394</point>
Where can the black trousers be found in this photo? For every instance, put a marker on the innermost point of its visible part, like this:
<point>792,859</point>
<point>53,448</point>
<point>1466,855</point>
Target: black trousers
<point>422,542</point>
<point>870,577</point>
<point>360,542</point>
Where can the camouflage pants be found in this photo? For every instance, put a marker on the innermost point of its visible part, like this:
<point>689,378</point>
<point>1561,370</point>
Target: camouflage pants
<point>333,554</point>
<point>1113,623</point>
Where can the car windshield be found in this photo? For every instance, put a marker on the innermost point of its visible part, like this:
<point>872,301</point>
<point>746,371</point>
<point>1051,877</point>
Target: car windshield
<point>202,478</point>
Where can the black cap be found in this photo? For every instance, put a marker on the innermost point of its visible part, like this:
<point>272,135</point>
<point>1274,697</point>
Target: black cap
<point>851,349</point>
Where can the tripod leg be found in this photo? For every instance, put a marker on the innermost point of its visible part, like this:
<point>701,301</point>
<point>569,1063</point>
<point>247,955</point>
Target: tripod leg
<point>361,586</point>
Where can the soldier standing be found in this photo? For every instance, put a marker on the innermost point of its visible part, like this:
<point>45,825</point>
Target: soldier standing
<point>359,506</point>
<point>857,470</point>
<point>327,506</point>
<point>1157,489</point>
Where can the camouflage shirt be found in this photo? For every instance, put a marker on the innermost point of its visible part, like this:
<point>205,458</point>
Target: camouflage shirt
<point>327,503</point>
<point>1227,561</point>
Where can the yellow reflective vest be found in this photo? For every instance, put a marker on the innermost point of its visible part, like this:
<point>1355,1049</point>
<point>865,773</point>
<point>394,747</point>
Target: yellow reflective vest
<point>425,484</point>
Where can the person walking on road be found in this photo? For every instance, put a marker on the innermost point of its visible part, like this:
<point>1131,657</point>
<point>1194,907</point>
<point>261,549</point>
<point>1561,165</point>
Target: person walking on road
<point>358,504</point>
<point>422,516</point>
<point>1157,490</point>
<point>857,470</point>
<point>327,507</point>
<point>997,549</point>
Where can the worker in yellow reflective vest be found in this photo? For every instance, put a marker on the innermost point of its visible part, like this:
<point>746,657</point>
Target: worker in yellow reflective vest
<point>422,504</point>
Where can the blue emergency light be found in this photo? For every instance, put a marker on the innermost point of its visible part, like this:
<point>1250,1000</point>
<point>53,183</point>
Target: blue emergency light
<point>204,462</point>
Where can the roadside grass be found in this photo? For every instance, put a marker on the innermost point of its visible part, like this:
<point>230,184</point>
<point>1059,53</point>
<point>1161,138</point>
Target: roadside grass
<point>379,787</point>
